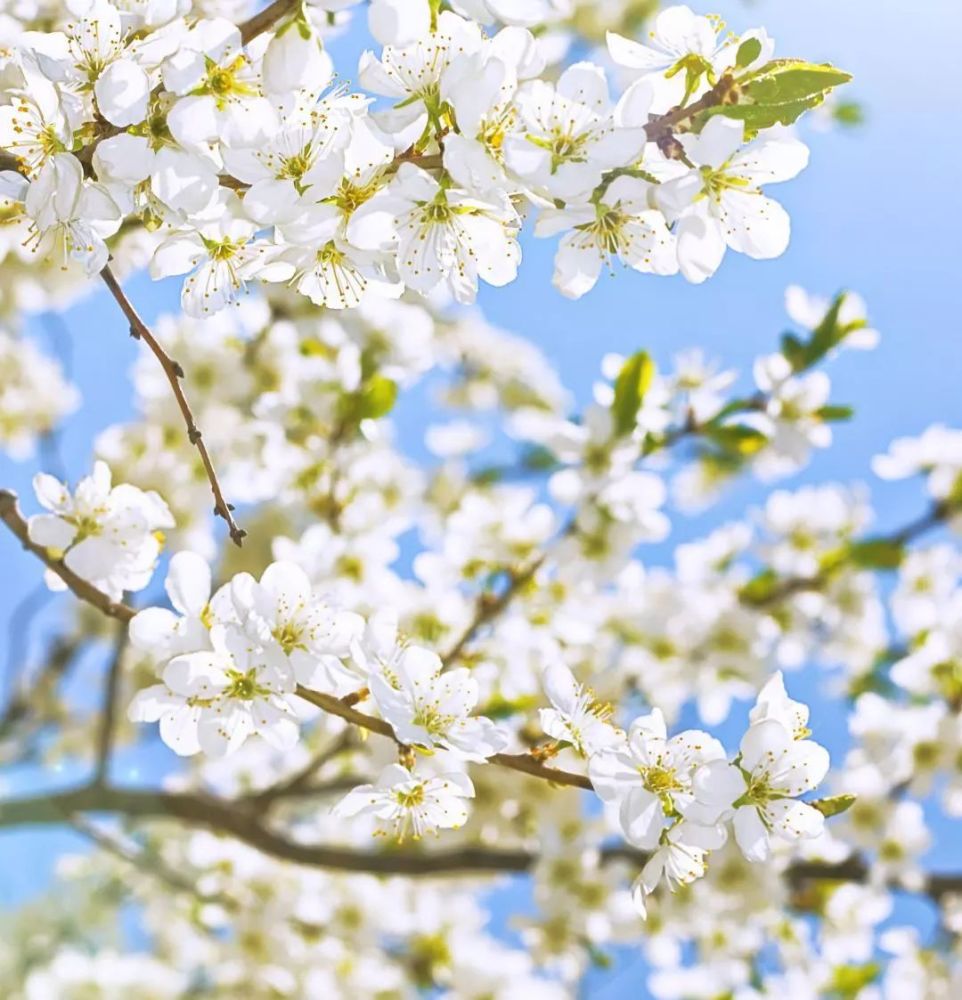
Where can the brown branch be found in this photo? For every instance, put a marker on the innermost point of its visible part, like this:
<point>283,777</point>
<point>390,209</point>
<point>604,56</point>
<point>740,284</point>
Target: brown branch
<point>105,737</point>
<point>299,783</point>
<point>266,19</point>
<point>488,607</point>
<point>225,818</point>
<point>174,373</point>
<point>35,693</point>
<point>524,763</point>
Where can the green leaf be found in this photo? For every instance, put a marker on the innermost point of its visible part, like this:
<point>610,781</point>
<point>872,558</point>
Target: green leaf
<point>632,383</point>
<point>737,439</point>
<point>831,413</point>
<point>787,81</point>
<point>748,52</point>
<point>828,333</point>
<point>377,398</point>
<point>779,92</point>
<point>759,588</point>
<point>849,113</point>
<point>537,458</point>
<point>761,116</point>
<point>795,351</point>
<point>876,553</point>
<point>834,805</point>
<point>849,981</point>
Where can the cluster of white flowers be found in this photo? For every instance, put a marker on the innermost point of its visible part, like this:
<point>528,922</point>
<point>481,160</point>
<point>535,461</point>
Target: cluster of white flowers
<point>247,165</point>
<point>400,649</point>
<point>674,796</point>
<point>110,536</point>
<point>34,395</point>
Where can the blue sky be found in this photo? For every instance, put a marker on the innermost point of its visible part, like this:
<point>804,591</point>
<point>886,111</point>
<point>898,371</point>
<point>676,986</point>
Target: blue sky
<point>878,211</point>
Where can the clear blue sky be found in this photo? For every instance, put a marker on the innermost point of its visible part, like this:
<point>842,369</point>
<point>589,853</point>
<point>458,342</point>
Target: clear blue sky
<point>878,211</point>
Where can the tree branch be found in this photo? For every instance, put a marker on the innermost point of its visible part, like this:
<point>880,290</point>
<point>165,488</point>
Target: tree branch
<point>488,607</point>
<point>106,736</point>
<point>266,19</point>
<point>792,585</point>
<point>174,373</point>
<point>226,819</point>
<point>524,763</point>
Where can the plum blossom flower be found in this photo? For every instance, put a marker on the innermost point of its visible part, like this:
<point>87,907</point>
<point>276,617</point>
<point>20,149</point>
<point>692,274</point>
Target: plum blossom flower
<point>621,224</point>
<point>774,703</point>
<point>680,858</point>
<point>282,610</point>
<point>218,87</point>
<point>575,717</point>
<point>480,90</point>
<point>719,202</point>
<point>429,708</point>
<point>677,34</point>
<point>403,802</point>
<point>210,701</point>
<point>223,256</point>
<point>162,633</point>
<point>653,776</point>
<point>568,136</point>
<point>775,768</point>
<point>39,121</point>
<point>70,216</point>
<point>109,535</point>
<point>442,234</point>
<point>411,74</point>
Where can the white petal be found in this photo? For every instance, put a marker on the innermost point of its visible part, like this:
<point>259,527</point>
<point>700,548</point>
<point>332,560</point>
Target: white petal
<point>750,834</point>
<point>188,583</point>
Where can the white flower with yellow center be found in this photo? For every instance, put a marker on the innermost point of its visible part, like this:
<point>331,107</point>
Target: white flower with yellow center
<point>109,535</point>
<point>428,708</point>
<point>621,224</point>
<point>652,778</point>
<point>211,701</point>
<point>441,234</point>
<point>404,803</point>
<point>719,203</point>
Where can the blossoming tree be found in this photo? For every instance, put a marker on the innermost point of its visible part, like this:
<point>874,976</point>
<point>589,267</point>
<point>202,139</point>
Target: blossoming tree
<point>466,660</point>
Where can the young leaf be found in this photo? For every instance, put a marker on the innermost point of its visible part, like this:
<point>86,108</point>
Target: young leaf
<point>831,413</point>
<point>834,805</point>
<point>632,383</point>
<point>876,553</point>
<point>738,439</point>
<point>377,398</point>
<point>785,81</point>
<point>748,52</point>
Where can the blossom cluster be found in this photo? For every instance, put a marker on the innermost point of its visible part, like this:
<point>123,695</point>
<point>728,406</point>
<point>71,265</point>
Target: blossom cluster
<point>674,796</point>
<point>246,164</point>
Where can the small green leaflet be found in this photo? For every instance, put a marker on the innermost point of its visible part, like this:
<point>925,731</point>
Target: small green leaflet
<point>632,383</point>
<point>834,805</point>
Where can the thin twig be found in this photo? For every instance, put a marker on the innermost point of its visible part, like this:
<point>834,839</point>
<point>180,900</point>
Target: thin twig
<point>175,373</point>
<point>266,19</point>
<point>145,861</point>
<point>108,719</point>
<point>524,763</point>
<point>488,607</point>
<point>299,783</point>
<point>793,585</point>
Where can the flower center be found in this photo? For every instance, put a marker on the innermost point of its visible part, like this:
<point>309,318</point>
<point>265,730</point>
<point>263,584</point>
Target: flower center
<point>244,686</point>
<point>410,798</point>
